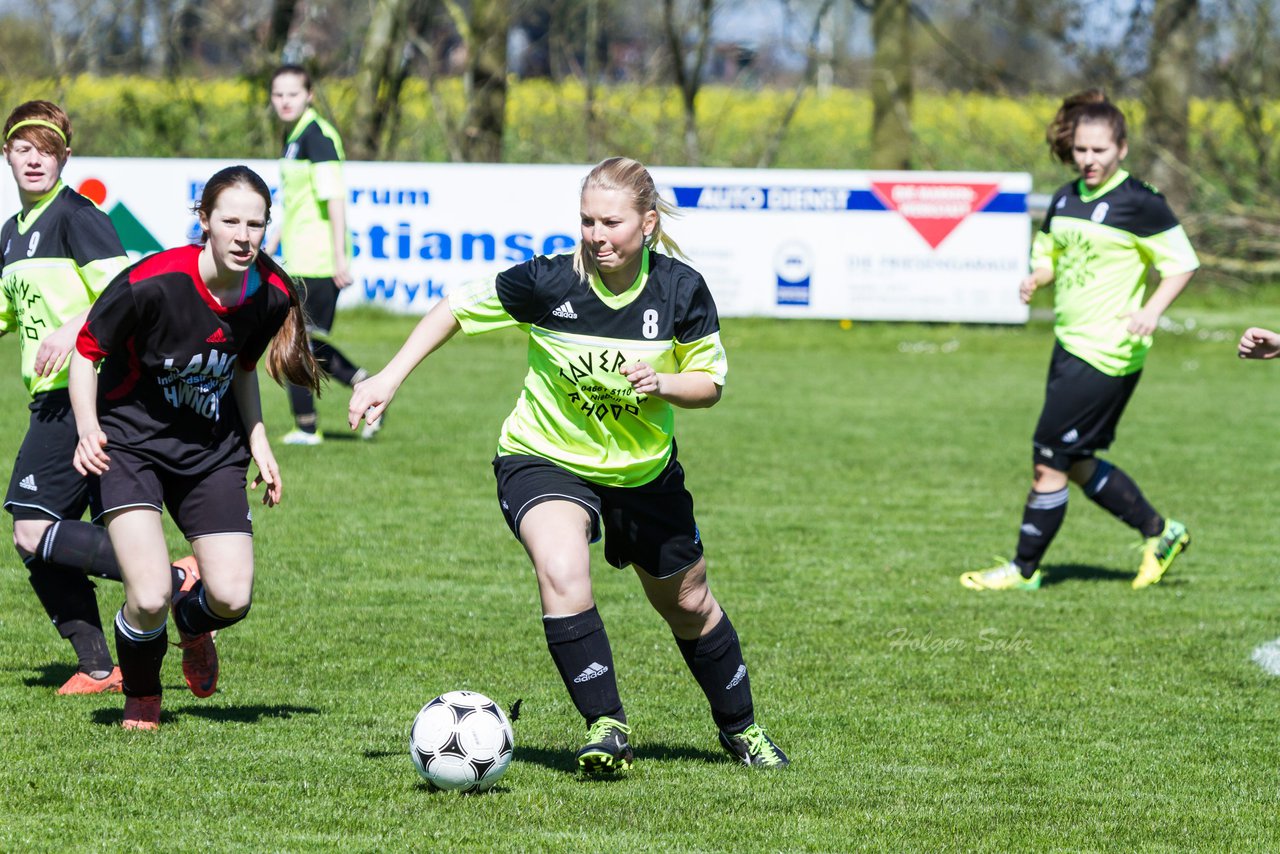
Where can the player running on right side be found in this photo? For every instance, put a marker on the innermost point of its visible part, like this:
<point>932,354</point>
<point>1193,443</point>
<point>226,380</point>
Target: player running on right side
<point>1101,235</point>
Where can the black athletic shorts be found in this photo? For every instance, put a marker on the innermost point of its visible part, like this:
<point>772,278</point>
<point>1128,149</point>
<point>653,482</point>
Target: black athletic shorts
<point>651,526</point>
<point>44,483</point>
<point>201,505</point>
<point>319,303</point>
<point>1082,407</point>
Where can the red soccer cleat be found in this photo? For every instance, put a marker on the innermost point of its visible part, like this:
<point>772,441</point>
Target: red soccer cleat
<point>199,663</point>
<point>82,683</point>
<point>141,712</point>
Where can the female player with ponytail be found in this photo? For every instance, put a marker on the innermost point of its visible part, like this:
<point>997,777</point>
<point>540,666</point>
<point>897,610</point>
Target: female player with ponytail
<point>619,334</point>
<point>1101,236</point>
<point>174,333</point>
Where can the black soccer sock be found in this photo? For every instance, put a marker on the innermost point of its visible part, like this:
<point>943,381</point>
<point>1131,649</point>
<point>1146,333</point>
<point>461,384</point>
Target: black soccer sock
<point>1114,491</point>
<point>80,546</point>
<point>580,649</point>
<point>335,363</point>
<point>72,605</point>
<point>192,615</point>
<point>1041,519</point>
<point>715,660</point>
<point>86,548</point>
<point>303,405</point>
<point>140,654</point>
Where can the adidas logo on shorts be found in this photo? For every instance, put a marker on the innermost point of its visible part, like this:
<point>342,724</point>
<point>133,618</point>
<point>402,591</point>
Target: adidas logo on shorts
<point>566,311</point>
<point>593,670</point>
<point>28,483</point>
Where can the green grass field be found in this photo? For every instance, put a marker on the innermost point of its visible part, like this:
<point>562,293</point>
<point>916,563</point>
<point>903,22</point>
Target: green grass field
<point>844,482</point>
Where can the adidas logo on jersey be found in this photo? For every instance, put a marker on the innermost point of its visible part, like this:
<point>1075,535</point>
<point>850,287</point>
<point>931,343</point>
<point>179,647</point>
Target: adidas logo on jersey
<point>28,483</point>
<point>218,337</point>
<point>566,311</point>
<point>1072,435</point>
<point>593,670</point>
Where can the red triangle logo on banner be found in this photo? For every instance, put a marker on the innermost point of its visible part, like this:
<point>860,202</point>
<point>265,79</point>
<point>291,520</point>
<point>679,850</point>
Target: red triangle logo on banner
<point>934,209</point>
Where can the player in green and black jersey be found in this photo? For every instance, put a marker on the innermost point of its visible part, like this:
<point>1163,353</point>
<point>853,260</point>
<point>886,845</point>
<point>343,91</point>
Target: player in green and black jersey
<point>618,335</point>
<point>59,253</point>
<point>317,243</point>
<point>1100,237</point>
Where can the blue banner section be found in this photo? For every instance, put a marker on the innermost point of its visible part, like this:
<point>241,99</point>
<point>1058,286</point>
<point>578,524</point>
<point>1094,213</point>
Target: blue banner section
<point>865,200</point>
<point>810,199</point>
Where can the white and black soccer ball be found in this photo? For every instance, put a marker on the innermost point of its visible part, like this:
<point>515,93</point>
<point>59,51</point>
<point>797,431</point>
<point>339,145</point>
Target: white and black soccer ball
<point>461,742</point>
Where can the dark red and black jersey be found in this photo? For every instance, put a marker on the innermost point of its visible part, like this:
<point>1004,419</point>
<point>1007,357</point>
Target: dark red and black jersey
<point>168,353</point>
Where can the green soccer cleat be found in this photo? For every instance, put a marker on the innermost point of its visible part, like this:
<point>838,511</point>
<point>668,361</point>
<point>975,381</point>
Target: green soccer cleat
<point>302,437</point>
<point>607,749</point>
<point>752,747</point>
<point>1003,576</point>
<point>1158,553</point>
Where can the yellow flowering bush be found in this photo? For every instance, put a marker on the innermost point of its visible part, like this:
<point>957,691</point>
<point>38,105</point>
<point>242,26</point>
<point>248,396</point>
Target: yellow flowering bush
<point>550,122</point>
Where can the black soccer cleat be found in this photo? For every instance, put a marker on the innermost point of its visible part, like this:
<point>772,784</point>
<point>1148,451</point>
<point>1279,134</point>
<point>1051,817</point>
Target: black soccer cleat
<point>607,750</point>
<point>752,747</point>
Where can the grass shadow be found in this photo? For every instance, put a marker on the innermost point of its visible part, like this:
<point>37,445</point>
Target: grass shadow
<point>1058,573</point>
<point>383,754</point>
<point>565,762</point>
<point>50,675</point>
<point>343,436</point>
<point>427,789</point>
<point>247,714</point>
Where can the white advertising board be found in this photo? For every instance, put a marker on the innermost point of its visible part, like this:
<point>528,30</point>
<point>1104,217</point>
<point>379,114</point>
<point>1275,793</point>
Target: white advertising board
<point>933,246</point>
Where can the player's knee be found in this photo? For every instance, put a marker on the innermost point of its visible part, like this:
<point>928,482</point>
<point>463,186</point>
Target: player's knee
<point>229,604</point>
<point>1046,478</point>
<point>151,606</point>
<point>562,573</point>
<point>26,537</point>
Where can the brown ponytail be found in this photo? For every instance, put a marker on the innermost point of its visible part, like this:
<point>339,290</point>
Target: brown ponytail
<point>1091,105</point>
<point>289,357</point>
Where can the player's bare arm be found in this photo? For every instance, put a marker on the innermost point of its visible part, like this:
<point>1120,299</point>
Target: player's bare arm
<point>370,398</point>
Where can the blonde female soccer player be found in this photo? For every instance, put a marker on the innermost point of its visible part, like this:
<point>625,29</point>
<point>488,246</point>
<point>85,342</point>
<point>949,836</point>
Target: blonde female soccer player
<point>618,335</point>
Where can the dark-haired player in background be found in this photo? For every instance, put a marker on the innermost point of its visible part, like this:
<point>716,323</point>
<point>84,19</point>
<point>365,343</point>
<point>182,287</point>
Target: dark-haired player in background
<point>174,333</point>
<point>618,334</point>
<point>315,236</point>
<point>1100,237</point>
<point>59,253</point>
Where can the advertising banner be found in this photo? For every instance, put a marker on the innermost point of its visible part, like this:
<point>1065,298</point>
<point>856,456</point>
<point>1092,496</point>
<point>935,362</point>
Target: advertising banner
<point>932,246</point>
